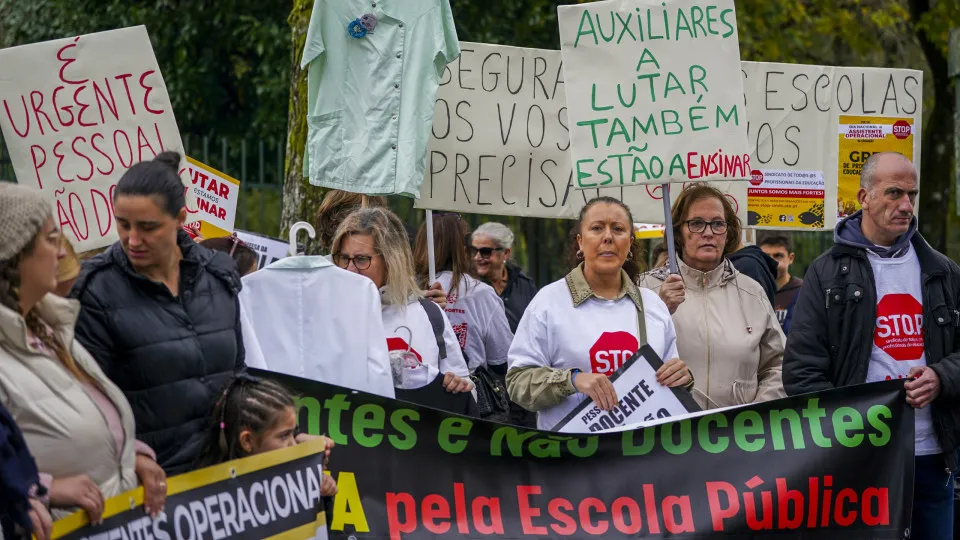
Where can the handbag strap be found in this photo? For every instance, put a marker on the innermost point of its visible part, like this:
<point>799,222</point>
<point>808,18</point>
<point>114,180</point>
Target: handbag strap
<point>436,321</point>
<point>641,323</point>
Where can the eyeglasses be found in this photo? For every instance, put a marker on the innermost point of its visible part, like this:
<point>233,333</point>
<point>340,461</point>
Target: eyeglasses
<point>485,252</point>
<point>362,262</point>
<point>236,242</point>
<point>698,225</point>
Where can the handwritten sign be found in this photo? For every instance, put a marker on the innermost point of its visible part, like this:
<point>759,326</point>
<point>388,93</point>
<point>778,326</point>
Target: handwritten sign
<point>500,143</point>
<point>216,197</point>
<point>76,114</point>
<point>269,250</point>
<point>802,177</point>
<point>654,92</point>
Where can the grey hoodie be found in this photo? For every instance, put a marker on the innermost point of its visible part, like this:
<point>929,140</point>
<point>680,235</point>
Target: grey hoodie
<point>848,232</point>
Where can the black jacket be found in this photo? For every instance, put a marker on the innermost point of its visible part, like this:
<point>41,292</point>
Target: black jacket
<point>18,475</point>
<point>517,295</point>
<point>170,356</point>
<point>831,335</point>
<point>753,262</point>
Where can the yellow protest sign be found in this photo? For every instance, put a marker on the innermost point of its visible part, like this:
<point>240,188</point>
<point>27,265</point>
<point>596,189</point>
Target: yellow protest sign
<point>860,137</point>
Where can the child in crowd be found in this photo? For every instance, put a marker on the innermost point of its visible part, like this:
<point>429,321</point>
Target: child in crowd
<point>254,416</point>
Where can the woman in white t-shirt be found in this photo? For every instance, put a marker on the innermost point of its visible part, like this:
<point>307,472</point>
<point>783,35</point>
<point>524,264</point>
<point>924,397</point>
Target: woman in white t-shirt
<point>372,242</point>
<point>474,308</point>
<point>579,330</point>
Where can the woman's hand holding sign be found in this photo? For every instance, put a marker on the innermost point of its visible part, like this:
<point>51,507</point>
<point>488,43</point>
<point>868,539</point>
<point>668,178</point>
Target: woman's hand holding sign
<point>597,387</point>
<point>674,373</point>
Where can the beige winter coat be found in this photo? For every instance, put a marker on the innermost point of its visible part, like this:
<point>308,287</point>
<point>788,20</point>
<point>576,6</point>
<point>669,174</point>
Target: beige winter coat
<point>64,429</point>
<point>728,334</point>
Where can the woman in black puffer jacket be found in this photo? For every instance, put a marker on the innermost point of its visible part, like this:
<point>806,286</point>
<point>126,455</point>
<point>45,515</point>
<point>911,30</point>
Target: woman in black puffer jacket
<point>160,314</point>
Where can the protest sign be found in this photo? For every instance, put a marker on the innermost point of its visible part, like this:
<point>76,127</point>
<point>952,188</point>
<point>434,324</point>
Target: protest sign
<point>216,197</point>
<point>77,113</point>
<point>641,399</point>
<point>646,231</point>
<point>835,464</point>
<point>654,92</point>
<point>271,495</point>
<point>802,177</point>
<point>269,250</point>
<point>500,142</point>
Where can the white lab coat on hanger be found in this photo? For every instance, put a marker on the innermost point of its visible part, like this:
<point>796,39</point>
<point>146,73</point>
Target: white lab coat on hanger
<point>305,317</point>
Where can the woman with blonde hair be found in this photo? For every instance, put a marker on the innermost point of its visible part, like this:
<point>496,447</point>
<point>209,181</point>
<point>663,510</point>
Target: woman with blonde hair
<point>372,242</point>
<point>69,269</point>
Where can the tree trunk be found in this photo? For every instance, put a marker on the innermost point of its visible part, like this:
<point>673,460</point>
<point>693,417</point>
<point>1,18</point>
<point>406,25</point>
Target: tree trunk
<point>937,147</point>
<point>300,199</point>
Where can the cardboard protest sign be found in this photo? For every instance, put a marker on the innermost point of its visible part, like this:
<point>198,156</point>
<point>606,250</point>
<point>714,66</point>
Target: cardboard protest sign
<point>216,197</point>
<point>500,143</point>
<point>270,495</point>
<point>641,399</point>
<point>269,250</point>
<point>802,177</point>
<point>77,113</point>
<point>654,92</point>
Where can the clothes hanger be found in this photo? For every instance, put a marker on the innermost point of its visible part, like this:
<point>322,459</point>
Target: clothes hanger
<point>294,230</point>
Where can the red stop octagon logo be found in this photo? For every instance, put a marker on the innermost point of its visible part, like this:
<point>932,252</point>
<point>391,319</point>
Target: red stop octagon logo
<point>400,344</point>
<point>901,129</point>
<point>899,330</point>
<point>611,351</point>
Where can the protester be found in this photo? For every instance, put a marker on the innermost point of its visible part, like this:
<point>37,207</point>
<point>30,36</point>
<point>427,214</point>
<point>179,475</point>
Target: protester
<point>243,256</point>
<point>726,328</point>
<point>554,360</point>
<point>780,249</point>
<point>160,313</point>
<point>880,305</point>
<point>76,422</point>
<point>753,262</point>
<point>473,307</point>
<point>21,510</point>
<point>69,269</point>
<point>373,243</point>
<point>491,247</point>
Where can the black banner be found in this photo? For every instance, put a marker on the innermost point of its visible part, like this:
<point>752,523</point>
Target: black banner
<point>835,464</point>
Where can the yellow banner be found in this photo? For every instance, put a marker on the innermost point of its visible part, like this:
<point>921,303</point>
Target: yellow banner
<point>860,137</point>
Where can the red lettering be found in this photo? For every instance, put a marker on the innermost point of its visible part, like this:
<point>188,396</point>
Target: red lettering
<point>102,100</point>
<point>83,107</point>
<point>94,193</point>
<point>460,501</point>
<point>435,507</point>
<point>57,108</point>
<point>26,116</point>
<point>649,504</point>
<point>222,213</point>
<point>68,61</point>
<point>813,486</point>
<point>845,519</point>
<point>631,507</point>
<point>592,503</point>
<point>212,186</point>
<point>37,112</point>
<point>142,143</point>
<point>393,522</point>
<point>60,163</point>
<point>750,507</point>
<point>746,165</point>
<point>558,508</point>
<point>116,146</point>
<point>827,493</point>
<point>62,217</point>
<point>719,511</point>
<point>225,192</point>
<point>882,515</point>
<point>73,145</point>
<point>527,513</point>
<point>146,95</point>
<point>73,197</point>
<point>784,499</point>
<point>36,166</point>
<point>126,86</point>
<point>93,143</point>
<point>496,521</point>
<point>691,165</point>
<point>670,506</point>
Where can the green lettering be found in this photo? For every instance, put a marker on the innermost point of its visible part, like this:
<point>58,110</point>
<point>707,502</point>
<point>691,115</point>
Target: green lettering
<point>314,410</point>
<point>731,28</point>
<point>618,129</point>
<point>625,25</point>
<point>588,19</point>
<point>368,416</point>
<point>582,175</point>
<point>777,416</point>
<point>845,420</point>
<point>727,117</point>
<point>695,79</point>
<point>656,167</point>
<point>452,426</point>
<point>694,117</point>
<point>336,405</point>
<point>638,169</point>
<point>686,441</point>
<point>647,57</point>
<point>748,424</point>
<point>711,19</point>
<point>814,413</point>
<point>677,163</point>
<point>875,416</point>
<point>545,447</point>
<point>593,128</point>
<point>650,77</point>
<point>630,449</point>
<point>703,433</point>
<point>682,19</point>
<point>696,15</point>
<point>398,419</point>
<point>578,449</point>
<point>668,87</point>
<point>593,100</point>
<point>603,172</point>
<point>513,439</point>
<point>674,121</point>
<point>651,125</point>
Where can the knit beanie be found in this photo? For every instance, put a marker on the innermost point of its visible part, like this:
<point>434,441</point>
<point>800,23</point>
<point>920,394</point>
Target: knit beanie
<point>23,212</point>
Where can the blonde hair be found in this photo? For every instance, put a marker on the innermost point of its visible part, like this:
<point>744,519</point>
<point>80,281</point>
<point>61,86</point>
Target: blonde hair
<point>69,267</point>
<point>335,207</point>
<point>391,242</point>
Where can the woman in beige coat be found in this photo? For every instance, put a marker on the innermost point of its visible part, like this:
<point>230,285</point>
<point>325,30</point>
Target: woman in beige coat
<point>727,331</point>
<point>77,423</point>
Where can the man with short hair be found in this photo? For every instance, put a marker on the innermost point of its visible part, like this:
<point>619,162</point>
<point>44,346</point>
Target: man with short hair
<point>779,248</point>
<point>882,304</point>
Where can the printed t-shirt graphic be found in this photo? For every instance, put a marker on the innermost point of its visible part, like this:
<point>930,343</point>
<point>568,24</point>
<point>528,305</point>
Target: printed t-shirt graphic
<point>899,330</point>
<point>612,350</point>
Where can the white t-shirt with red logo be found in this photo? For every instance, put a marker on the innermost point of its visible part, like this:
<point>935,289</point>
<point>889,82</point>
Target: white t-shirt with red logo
<point>479,320</point>
<point>598,336</point>
<point>408,329</point>
<point>898,335</point>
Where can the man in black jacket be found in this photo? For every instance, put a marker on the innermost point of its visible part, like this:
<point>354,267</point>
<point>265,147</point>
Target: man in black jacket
<point>753,262</point>
<point>882,304</point>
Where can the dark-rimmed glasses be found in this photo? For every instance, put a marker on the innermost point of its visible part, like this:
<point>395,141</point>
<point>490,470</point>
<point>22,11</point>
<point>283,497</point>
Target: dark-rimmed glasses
<point>362,262</point>
<point>698,226</point>
<point>485,252</point>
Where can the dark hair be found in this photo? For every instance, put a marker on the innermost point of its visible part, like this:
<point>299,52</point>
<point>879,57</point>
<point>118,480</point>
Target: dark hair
<point>159,177</point>
<point>10,298</point>
<point>450,234</point>
<point>335,207</point>
<point>693,193</point>
<point>777,240</point>
<point>245,257</point>
<point>247,402</point>
<point>657,251</point>
<point>633,266</point>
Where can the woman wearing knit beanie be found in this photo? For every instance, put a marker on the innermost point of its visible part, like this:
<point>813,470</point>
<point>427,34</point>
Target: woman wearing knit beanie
<point>160,313</point>
<point>76,422</point>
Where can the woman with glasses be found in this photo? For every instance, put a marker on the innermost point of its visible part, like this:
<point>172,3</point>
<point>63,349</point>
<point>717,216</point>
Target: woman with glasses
<point>491,246</point>
<point>727,331</point>
<point>474,309</point>
<point>372,242</point>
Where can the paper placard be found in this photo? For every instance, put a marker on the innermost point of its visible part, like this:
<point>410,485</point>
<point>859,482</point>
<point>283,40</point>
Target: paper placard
<point>215,195</point>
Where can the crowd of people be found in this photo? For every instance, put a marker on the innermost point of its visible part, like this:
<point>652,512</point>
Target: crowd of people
<point>131,366</point>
